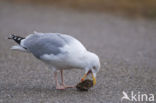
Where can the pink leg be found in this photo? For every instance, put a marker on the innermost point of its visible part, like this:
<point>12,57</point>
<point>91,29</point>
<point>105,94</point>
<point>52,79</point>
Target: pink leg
<point>58,86</point>
<point>62,78</point>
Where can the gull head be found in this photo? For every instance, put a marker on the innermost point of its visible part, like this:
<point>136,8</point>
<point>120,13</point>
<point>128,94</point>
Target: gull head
<point>92,66</point>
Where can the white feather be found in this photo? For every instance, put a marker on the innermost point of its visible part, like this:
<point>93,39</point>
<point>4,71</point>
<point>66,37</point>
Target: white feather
<point>18,48</point>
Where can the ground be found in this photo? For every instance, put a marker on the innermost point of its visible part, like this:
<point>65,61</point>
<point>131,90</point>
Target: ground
<point>126,48</point>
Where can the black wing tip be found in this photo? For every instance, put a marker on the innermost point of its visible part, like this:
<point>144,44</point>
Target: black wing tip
<point>11,36</point>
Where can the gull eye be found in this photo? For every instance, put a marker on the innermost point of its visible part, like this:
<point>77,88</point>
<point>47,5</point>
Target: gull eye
<point>94,68</point>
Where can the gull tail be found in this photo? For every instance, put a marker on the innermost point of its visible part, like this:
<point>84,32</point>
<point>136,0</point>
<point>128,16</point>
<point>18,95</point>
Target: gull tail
<point>18,40</point>
<point>18,48</point>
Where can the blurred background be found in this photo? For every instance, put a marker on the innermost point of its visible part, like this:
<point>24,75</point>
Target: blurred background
<point>141,8</point>
<point>120,32</point>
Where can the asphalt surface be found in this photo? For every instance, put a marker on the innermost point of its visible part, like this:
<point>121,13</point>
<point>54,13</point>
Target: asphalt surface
<point>126,47</point>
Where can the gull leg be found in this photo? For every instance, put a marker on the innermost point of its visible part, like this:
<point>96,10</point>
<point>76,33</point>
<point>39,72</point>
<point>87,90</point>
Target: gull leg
<point>58,86</point>
<point>62,78</point>
<point>63,84</point>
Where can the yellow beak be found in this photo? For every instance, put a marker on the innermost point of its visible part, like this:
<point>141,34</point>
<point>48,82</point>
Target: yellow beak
<point>94,79</point>
<point>85,75</point>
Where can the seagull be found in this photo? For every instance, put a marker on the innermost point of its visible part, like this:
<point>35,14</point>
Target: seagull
<point>59,52</point>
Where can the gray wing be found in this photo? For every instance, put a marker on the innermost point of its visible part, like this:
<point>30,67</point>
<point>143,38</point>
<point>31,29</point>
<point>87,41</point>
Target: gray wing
<point>47,43</point>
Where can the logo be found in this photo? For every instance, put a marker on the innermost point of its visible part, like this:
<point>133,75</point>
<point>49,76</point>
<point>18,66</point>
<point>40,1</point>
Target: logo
<point>137,96</point>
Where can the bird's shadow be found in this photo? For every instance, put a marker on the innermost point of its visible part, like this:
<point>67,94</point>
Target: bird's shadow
<point>37,89</point>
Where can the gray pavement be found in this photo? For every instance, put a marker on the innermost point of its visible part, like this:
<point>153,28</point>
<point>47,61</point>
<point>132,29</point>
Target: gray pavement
<point>126,47</point>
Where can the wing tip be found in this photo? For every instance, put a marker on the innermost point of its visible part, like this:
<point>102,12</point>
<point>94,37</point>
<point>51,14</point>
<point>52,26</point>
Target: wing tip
<point>11,36</point>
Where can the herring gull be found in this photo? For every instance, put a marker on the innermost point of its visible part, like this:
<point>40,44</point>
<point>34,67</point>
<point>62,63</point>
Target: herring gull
<point>60,52</point>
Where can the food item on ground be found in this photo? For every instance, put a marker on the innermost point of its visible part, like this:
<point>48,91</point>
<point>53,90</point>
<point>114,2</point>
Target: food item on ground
<point>85,85</point>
